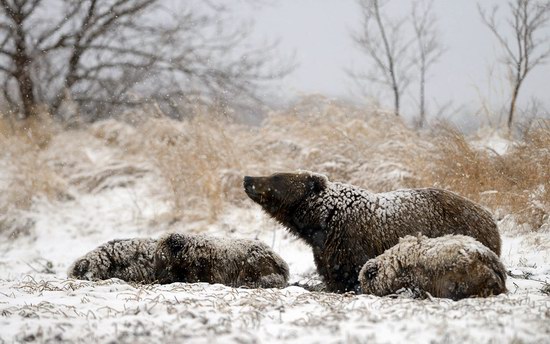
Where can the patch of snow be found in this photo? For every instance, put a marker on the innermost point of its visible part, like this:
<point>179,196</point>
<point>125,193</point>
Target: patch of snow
<point>39,303</point>
<point>493,141</point>
<point>48,308</point>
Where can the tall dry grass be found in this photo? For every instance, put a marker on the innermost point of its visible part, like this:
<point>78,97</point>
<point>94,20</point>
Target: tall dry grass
<point>23,174</point>
<point>201,161</point>
<point>204,159</point>
<point>517,182</point>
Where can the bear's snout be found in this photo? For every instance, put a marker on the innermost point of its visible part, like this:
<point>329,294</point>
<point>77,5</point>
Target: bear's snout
<point>248,184</point>
<point>250,187</point>
<point>371,271</point>
<point>80,268</point>
<point>248,181</point>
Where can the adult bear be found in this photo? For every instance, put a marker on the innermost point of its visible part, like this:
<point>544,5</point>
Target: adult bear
<point>346,225</point>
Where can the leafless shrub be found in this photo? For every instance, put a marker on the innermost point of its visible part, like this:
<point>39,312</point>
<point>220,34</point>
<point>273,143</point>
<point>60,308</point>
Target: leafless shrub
<point>527,49</point>
<point>513,183</point>
<point>382,40</point>
<point>107,55</point>
<point>24,175</point>
<point>429,49</point>
<point>198,163</point>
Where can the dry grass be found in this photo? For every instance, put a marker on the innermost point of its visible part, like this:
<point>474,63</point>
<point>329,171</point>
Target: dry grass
<point>204,159</point>
<point>24,175</point>
<point>113,311</point>
<point>201,161</point>
<point>360,146</point>
<point>516,182</point>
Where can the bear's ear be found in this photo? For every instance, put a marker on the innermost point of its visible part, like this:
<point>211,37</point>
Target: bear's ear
<point>174,242</point>
<point>317,182</point>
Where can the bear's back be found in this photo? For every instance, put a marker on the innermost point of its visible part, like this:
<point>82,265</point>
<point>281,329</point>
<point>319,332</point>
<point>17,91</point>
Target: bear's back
<point>378,220</point>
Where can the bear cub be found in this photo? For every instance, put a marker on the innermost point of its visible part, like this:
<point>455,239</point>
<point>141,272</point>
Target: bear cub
<point>451,266</point>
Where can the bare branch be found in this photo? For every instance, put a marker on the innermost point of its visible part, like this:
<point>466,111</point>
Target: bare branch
<point>490,22</point>
<point>114,48</point>
<point>528,18</point>
<point>382,41</point>
<point>428,51</point>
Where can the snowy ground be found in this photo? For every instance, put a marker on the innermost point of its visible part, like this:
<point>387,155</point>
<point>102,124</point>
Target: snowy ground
<point>38,303</point>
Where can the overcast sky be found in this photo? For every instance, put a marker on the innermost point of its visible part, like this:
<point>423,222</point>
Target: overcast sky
<point>319,32</point>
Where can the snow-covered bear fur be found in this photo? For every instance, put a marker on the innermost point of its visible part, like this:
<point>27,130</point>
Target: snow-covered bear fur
<point>346,225</point>
<point>128,259</point>
<point>451,266</point>
<point>233,262</point>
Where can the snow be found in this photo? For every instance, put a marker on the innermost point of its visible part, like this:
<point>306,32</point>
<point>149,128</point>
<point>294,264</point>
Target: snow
<point>493,141</point>
<point>38,302</point>
<point>52,308</point>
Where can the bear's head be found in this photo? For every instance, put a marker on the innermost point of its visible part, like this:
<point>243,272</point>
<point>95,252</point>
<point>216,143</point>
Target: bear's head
<point>282,191</point>
<point>370,270</point>
<point>167,254</point>
<point>80,269</point>
<point>368,277</point>
<point>174,243</point>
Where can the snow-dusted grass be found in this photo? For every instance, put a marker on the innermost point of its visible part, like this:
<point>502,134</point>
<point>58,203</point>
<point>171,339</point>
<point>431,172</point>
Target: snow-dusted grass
<point>47,308</point>
<point>512,180</point>
<point>114,180</point>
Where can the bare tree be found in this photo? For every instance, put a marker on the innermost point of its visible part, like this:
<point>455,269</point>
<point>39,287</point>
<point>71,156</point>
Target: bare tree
<point>429,48</point>
<point>526,49</point>
<point>382,40</point>
<point>108,54</point>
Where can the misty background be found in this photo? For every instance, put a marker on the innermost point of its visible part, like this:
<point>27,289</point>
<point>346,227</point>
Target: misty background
<point>466,76</point>
<point>244,58</point>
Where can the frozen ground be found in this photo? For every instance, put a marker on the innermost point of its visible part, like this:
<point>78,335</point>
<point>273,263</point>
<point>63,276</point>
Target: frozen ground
<point>38,303</point>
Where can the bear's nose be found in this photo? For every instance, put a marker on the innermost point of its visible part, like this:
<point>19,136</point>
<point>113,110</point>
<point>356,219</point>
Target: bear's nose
<point>248,182</point>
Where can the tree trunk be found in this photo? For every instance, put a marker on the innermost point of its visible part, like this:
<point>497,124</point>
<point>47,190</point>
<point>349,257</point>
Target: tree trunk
<point>70,80</point>
<point>422,96</point>
<point>22,62</point>
<point>513,106</point>
<point>26,89</point>
<point>389,57</point>
<point>396,100</point>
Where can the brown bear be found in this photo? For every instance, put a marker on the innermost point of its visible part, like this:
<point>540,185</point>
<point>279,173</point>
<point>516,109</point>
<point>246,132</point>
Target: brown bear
<point>346,225</point>
<point>451,266</point>
<point>130,260</point>
<point>233,262</point>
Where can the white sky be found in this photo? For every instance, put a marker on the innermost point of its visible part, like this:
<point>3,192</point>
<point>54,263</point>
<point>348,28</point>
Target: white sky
<point>319,32</point>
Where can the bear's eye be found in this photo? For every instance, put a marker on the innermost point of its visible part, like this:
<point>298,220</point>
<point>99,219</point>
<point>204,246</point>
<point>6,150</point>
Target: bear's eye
<point>371,272</point>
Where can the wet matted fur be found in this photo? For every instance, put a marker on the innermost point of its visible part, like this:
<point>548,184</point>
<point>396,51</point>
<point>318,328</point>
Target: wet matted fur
<point>130,260</point>
<point>451,266</point>
<point>233,262</point>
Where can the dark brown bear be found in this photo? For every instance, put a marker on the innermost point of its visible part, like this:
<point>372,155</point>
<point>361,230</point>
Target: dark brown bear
<point>451,266</point>
<point>128,259</point>
<point>233,262</point>
<point>346,225</point>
